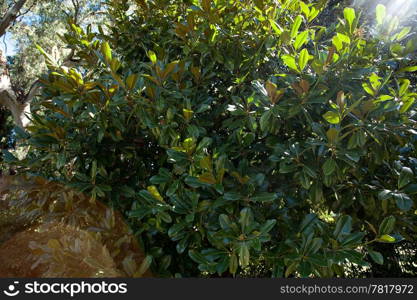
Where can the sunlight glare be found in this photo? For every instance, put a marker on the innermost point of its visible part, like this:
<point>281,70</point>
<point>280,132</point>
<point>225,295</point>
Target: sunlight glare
<point>401,8</point>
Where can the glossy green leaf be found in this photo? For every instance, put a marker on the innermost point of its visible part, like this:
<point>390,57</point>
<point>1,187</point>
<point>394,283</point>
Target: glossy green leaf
<point>349,14</point>
<point>329,167</point>
<point>106,51</point>
<point>303,59</point>
<point>296,26</point>
<point>289,61</point>
<point>152,56</point>
<point>387,225</point>
<point>332,117</point>
<point>244,255</point>
<point>233,264</point>
<point>246,218</point>
<point>403,201</point>
<point>386,239</point>
<point>301,39</point>
<point>406,176</point>
<point>264,197</point>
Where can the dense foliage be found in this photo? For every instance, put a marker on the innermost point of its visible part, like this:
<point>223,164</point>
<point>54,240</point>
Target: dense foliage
<point>238,133</point>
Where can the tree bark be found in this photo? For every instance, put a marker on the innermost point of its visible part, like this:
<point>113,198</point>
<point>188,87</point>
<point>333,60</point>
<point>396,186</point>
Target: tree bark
<point>11,16</point>
<point>9,101</point>
<point>19,109</point>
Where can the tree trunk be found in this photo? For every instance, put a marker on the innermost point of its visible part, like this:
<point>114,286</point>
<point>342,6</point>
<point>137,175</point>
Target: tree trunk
<point>8,99</point>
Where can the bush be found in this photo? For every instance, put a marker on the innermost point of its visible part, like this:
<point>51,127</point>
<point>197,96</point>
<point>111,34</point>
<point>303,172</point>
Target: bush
<point>234,133</point>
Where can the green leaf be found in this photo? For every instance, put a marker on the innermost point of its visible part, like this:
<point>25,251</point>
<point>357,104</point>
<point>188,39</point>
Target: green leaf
<point>157,179</point>
<point>315,245</point>
<point>310,171</point>
<point>410,189</point>
<point>244,255</point>
<point>175,232</point>
<point>304,8</point>
<point>368,88</point>
<point>408,69</point>
<point>304,180</point>
<point>296,26</point>
<point>403,201</point>
<point>386,239</point>
<point>352,239</point>
<point>406,176</point>
<point>303,59</point>
<point>197,257</point>
<point>176,156</point>
<point>106,51</point>
<point>152,56</point>
<point>308,222</point>
<point>289,61</point>
<point>349,14</point>
<point>232,196</point>
<point>402,33</point>
<point>153,190</point>
<point>147,196</point>
<point>50,61</point>
<point>225,222</point>
<point>332,135</point>
<point>404,87</point>
<point>264,197</point>
<point>233,263</point>
<point>343,226</point>
<point>318,259</point>
<point>380,14</point>
<point>246,218</point>
<point>301,39</point>
<point>387,225</point>
<point>329,167</point>
<point>376,257</point>
<point>337,43</point>
<point>344,38</point>
<point>265,120</point>
<point>291,269</point>
<point>204,143</point>
<point>131,81</point>
<point>267,227</point>
<point>332,117</point>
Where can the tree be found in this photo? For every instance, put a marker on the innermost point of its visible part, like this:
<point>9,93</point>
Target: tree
<point>7,96</point>
<point>40,22</point>
<point>237,133</point>
<point>11,15</point>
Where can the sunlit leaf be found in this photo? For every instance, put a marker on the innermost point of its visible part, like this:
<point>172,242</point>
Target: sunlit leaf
<point>380,14</point>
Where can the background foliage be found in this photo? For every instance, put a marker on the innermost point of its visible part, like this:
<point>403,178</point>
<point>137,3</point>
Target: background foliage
<point>239,137</point>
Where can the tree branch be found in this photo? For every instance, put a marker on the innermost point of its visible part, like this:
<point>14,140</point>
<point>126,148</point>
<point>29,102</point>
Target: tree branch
<point>11,16</point>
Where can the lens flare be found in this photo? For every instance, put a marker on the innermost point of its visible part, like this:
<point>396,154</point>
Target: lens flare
<point>401,9</point>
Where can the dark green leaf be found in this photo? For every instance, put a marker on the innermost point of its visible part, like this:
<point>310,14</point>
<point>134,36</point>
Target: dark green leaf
<point>376,257</point>
<point>387,225</point>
